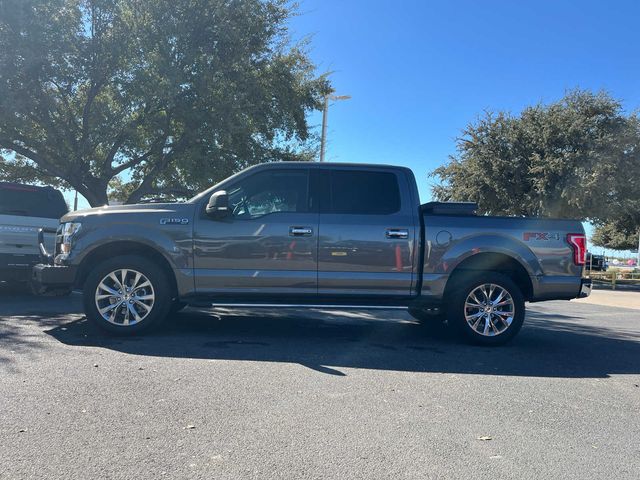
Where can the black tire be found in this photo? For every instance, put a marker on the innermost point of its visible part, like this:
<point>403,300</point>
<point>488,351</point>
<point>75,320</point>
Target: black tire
<point>456,309</point>
<point>159,282</point>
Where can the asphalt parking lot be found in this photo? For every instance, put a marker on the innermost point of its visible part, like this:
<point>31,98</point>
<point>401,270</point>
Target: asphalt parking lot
<point>293,394</point>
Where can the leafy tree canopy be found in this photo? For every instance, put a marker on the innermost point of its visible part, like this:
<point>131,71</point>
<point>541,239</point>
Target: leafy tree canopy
<point>171,95</point>
<point>578,157</point>
<point>618,234</point>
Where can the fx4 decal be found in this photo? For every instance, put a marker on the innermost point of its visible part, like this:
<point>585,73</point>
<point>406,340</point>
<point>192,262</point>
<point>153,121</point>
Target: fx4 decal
<point>528,236</point>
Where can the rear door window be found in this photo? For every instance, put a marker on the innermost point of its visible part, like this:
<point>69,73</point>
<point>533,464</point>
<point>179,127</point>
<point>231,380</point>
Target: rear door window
<point>363,193</point>
<point>28,201</point>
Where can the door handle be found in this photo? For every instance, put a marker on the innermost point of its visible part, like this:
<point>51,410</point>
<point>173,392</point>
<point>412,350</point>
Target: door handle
<point>397,233</point>
<point>300,231</point>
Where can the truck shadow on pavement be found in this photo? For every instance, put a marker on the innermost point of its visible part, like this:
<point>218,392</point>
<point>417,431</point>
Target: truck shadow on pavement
<point>550,345</point>
<point>18,311</point>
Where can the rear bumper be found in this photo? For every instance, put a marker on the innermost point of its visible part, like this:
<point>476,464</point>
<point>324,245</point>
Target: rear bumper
<point>560,287</point>
<point>17,268</point>
<point>15,275</point>
<point>585,288</point>
<point>49,277</point>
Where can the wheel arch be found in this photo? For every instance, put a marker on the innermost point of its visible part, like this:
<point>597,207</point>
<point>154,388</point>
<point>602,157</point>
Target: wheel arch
<point>492,262</point>
<point>124,247</point>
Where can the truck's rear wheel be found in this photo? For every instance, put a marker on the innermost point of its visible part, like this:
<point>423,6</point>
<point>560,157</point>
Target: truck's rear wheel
<point>486,308</point>
<point>126,295</point>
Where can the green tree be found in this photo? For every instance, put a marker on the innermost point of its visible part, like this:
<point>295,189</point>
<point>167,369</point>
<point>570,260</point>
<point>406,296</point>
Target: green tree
<point>618,234</point>
<point>578,157</point>
<point>169,95</point>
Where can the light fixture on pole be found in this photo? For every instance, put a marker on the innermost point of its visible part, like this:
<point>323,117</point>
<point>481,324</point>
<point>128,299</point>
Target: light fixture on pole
<point>325,111</point>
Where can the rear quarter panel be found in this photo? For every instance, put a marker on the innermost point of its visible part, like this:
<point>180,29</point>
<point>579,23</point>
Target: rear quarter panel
<point>19,234</point>
<point>538,244</point>
<point>19,249</point>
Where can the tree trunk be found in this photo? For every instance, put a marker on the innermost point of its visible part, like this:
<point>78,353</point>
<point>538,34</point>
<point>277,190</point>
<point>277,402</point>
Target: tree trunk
<point>95,193</point>
<point>135,196</point>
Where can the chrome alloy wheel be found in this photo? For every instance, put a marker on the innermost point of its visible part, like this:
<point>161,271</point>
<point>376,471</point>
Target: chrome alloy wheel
<point>489,310</point>
<point>124,297</point>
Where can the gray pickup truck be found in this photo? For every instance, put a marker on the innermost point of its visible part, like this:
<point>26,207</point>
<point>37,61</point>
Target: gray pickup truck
<point>334,235</point>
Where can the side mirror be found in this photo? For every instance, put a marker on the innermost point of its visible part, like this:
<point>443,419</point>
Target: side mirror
<point>218,205</point>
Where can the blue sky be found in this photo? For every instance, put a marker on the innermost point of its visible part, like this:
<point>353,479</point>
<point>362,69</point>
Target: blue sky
<point>419,71</point>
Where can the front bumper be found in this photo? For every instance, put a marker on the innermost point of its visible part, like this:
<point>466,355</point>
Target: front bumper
<point>46,276</point>
<point>53,277</point>
<point>585,288</point>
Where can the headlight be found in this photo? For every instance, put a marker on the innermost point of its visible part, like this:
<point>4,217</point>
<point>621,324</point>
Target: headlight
<point>69,230</point>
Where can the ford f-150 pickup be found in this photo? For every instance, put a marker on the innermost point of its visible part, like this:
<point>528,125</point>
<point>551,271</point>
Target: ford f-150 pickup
<point>292,234</point>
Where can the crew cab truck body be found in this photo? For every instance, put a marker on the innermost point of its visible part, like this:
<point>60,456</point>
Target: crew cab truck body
<point>316,234</point>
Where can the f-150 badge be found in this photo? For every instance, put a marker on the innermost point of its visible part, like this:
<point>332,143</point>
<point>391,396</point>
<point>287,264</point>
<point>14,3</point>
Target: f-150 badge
<point>174,221</point>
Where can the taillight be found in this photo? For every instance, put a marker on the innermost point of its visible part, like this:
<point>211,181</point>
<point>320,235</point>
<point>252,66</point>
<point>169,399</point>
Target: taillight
<point>578,242</point>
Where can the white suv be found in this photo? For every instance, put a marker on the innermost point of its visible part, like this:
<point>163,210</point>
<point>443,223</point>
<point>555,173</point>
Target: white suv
<point>24,209</point>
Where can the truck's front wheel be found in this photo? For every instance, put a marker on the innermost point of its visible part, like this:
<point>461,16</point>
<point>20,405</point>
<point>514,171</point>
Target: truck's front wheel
<point>126,295</point>
<point>486,308</point>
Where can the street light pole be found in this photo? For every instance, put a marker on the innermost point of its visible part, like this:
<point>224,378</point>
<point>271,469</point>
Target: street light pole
<point>323,138</point>
<point>325,113</point>
<point>638,258</point>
